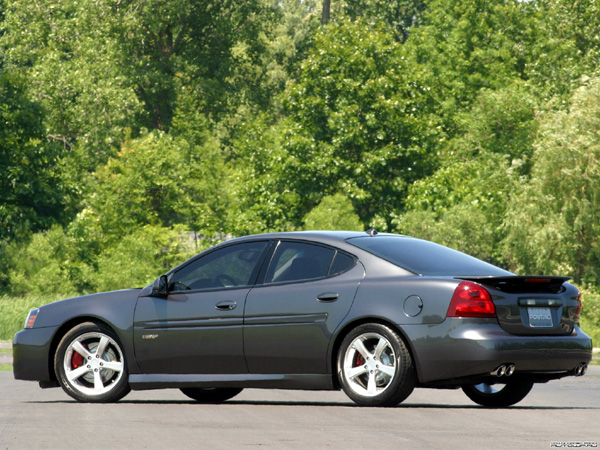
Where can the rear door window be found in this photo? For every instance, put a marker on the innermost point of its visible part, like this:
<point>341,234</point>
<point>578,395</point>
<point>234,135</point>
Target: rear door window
<point>300,261</point>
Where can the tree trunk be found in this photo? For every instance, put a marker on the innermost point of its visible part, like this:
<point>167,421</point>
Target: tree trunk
<point>326,11</point>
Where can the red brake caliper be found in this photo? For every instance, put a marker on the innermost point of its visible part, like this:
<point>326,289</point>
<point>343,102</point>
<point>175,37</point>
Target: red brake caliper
<point>359,360</point>
<point>76,360</point>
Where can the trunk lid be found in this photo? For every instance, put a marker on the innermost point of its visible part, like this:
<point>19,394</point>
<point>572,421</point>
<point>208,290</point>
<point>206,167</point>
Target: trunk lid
<point>533,305</point>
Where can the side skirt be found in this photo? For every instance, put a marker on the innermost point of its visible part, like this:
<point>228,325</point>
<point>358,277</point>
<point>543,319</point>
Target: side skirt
<point>317,382</point>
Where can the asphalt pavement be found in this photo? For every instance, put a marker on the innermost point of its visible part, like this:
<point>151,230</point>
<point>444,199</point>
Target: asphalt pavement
<point>560,414</point>
<point>5,358</point>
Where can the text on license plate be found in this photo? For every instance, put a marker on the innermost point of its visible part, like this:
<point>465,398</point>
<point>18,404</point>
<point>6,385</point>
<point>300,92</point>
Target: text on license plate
<point>540,317</point>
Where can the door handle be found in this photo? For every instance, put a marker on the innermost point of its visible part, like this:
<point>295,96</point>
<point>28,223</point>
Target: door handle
<point>328,297</point>
<point>226,305</point>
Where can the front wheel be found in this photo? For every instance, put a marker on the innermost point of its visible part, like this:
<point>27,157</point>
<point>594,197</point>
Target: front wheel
<point>497,396</point>
<point>90,364</point>
<point>211,395</point>
<point>375,367</point>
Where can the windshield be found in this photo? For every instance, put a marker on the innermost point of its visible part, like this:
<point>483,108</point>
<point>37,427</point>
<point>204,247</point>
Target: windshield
<point>424,257</point>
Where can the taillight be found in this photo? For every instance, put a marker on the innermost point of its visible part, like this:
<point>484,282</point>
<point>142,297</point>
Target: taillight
<point>471,300</point>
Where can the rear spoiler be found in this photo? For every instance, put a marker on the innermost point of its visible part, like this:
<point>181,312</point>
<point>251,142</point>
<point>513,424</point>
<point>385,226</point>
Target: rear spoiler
<point>522,284</point>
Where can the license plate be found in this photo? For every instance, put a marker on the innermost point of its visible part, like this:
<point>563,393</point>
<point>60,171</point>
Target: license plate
<point>540,317</point>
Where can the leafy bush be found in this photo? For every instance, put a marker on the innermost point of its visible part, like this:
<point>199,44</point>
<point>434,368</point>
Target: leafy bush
<point>335,212</point>
<point>52,263</point>
<point>140,257</point>
<point>590,313</point>
<point>45,265</point>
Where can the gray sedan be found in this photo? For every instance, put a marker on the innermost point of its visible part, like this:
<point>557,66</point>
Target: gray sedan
<point>373,314</point>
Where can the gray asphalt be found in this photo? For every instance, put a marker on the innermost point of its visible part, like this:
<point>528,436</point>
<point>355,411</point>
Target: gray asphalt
<point>563,412</point>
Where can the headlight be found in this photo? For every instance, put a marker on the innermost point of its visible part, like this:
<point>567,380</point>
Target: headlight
<point>31,318</point>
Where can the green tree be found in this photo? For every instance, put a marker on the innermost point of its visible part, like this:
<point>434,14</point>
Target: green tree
<point>463,203</point>
<point>399,16</point>
<point>289,41</point>
<point>469,45</point>
<point>31,192</point>
<point>335,212</point>
<point>359,123</point>
<point>159,180</point>
<point>262,199</point>
<point>102,67</point>
<point>553,224</point>
<point>141,256</point>
<point>65,53</point>
<point>44,265</point>
<point>52,262</point>
<point>566,47</point>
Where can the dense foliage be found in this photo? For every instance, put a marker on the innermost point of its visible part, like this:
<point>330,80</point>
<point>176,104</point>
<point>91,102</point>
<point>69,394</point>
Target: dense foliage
<point>134,133</point>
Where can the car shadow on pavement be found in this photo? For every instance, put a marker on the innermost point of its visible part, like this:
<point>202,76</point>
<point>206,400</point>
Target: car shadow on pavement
<point>324,404</point>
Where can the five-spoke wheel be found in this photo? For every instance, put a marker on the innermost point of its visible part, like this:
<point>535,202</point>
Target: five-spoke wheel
<point>90,364</point>
<point>375,367</point>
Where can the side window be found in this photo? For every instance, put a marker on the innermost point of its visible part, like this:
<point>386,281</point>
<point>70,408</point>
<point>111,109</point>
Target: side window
<point>341,263</point>
<point>227,267</point>
<point>294,261</point>
<point>298,261</point>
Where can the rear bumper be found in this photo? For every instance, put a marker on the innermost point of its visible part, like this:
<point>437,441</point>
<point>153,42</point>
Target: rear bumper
<point>31,354</point>
<point>470,348</point>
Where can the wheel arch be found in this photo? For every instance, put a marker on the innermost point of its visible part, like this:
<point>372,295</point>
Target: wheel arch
<point>343,332</point>
<point>63,329</point>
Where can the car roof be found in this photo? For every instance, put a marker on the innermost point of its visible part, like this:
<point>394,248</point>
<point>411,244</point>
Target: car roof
<point>323,236</point>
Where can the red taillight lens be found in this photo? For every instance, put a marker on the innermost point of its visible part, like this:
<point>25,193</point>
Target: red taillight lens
<point>471,300</point>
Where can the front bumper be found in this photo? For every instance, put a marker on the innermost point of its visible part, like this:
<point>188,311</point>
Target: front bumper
<point>470,348</point>
<point>31,354</point>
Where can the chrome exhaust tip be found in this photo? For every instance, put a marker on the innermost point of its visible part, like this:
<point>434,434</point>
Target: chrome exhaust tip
<point>510,369</point>
<point>500,371</point>
<point>580,370</point>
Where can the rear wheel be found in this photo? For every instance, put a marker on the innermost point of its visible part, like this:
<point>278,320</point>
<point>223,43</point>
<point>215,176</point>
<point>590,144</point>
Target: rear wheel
<point>90,364</point>
<point>497,396</point>
<point>375,367</point>
<point>211,395</point>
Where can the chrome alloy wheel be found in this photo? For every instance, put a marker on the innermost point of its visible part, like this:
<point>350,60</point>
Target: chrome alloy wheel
<point>369,364</point>
<point>93,364</point>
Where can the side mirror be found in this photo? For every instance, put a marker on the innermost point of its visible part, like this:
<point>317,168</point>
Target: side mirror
<point>160,287</point>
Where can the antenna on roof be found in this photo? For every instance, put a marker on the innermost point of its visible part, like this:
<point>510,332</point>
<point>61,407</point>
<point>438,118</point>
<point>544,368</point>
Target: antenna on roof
<point>372,232</point>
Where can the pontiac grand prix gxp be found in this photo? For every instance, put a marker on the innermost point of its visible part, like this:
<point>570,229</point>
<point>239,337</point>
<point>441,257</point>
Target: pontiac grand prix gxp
<point>373,314</point>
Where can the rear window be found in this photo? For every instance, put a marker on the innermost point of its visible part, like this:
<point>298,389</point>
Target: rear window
<point>424,257</point>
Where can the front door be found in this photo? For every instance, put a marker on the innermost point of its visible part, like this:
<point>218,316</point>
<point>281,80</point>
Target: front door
<point>197,329</point>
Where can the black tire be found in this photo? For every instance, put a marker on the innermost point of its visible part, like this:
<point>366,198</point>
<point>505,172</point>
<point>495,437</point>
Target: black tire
<point>374,366</point>
<point>497,396</point>
<point>211,395</point>
<point>90,364</point>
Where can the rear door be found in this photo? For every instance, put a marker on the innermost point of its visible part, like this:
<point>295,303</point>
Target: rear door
<point>537,305</point>
<point>289,319</point>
